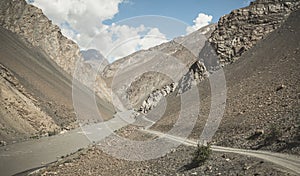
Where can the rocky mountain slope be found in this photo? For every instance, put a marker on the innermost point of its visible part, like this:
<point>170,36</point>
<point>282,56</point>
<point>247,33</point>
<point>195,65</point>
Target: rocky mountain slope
<point>47,105</point>
<point>31,24</point>
<point>236,33</point>
<point>20,117</point>
<point>34,27</point>
<point>262,106</point>
<point>136,76</point>
<point>262,112</point>
<point>240,30</point>
<point>263,99</point>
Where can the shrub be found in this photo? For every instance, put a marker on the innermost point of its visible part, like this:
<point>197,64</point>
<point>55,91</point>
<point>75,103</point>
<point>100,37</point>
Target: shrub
<point>202,153</point>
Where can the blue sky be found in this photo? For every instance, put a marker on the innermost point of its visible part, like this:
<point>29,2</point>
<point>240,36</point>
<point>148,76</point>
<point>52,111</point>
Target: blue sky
<point>184,10</point>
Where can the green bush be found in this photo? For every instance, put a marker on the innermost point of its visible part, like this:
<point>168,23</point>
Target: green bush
<point>202,153</point>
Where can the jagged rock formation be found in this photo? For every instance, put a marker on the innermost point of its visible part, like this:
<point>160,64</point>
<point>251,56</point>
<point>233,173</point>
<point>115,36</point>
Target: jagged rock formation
<point>196,73</point>
<point>145,83</point>
<point>155,97</point>
<point>242,28</point>
<point>20,117</point>
<point>236,33</point>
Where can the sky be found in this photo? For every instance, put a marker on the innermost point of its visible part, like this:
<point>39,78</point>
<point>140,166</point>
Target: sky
<point>118,28</point>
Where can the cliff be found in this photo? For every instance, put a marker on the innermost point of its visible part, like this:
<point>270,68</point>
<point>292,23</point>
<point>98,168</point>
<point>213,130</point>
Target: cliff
<point>35,28</point>
<point>31,24</point>
<point>235,34</point>
<point>240,30</point>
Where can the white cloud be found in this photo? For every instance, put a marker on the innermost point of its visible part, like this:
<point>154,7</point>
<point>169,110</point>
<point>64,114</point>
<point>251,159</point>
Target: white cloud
<point>153,37</point>
<point>201,21</point>
<point>121,40</point>
<point>82,21</point>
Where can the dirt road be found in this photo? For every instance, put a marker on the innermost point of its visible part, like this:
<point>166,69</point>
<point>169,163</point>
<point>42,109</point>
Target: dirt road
<point>289,162</point>
<point>37,153</point>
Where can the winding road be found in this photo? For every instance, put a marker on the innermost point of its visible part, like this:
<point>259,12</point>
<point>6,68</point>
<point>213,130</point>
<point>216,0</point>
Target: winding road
<point>290,162</point>
<point>19,157</point>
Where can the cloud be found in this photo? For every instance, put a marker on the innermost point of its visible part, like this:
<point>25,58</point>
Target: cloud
<point>118,41</point>
<point>201,21</point>
<point>153,37</point>
<point>82,21</point>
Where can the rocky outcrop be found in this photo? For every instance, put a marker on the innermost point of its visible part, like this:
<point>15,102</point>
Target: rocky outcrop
<point>155,97</point>
<point>240,30</point>
<point>196,73</point>
<point>236,33</point>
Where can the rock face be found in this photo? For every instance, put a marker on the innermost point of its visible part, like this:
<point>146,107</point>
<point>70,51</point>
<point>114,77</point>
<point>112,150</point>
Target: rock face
<point>155,97</point>
<point>139,74</point>
<point>236,33</point>
<point>196,73</point>
<point>34,27</point>
<point>243,28</point>
<point>30,23</point>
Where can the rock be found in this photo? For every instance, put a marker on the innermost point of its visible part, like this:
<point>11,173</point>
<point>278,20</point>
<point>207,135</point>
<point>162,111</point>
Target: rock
<point>3,143</point>
<point>282,86</point>
<point>63,131</point>
<point>196,74</point>
<point>235,34</point>
<point>259,19</point>
<point>259,132</point>
<point>39,31</point>
<point>173,150</point>
<point>155,97</point>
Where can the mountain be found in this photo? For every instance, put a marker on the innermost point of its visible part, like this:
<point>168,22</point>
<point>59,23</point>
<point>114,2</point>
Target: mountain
<point>37,30</point>
<point>257,48</point>
<point>34,27</point>
<point>262,112</point>
<point>95,59</point>
<point>262,84</point>
<point>37,65</point>
<point>21,117</point>
<point>93,54</point>
<point>134,77</point>
<point>236,33</point>
<point>243,28</point>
